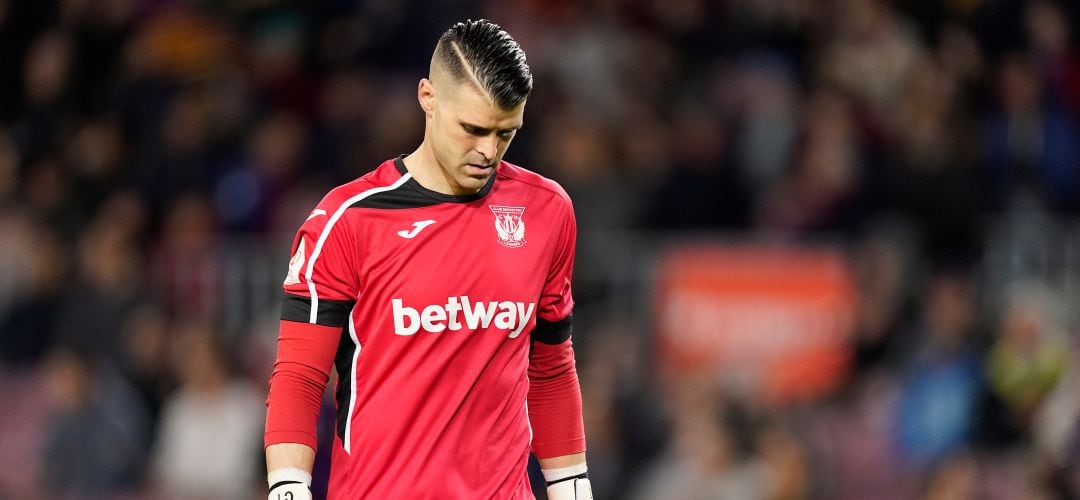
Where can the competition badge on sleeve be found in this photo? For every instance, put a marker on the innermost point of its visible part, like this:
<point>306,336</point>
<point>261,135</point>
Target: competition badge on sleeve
<point>296,264</point>
<point>509,226</point>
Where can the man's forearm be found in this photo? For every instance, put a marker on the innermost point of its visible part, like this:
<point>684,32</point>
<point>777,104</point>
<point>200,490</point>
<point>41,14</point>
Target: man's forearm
<point>562,461</point>
<point>555,413</point>
<point>554,402</point>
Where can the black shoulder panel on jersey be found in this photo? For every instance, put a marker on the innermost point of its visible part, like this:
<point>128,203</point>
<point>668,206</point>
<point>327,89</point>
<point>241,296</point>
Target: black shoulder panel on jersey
<point>552,333</point>
<point>413,195</point>
<point>331,312</point>
<point>406,196</point>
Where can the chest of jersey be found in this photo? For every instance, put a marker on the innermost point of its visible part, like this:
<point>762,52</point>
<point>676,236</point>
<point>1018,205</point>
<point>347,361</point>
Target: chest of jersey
<point>453,268</point>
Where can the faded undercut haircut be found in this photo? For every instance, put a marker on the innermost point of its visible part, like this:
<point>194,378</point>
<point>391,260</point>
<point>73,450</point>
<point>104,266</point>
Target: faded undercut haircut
<point>481,52</point>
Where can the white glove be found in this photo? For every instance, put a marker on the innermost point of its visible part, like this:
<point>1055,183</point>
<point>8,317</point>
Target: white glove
<point>289,484</point>
<point>568,483</point>
<point>571,489</point>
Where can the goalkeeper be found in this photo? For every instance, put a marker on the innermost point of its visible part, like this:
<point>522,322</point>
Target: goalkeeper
<point>439,286</point>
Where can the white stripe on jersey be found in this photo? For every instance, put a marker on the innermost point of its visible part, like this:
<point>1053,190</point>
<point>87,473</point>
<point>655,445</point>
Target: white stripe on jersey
<point>527,418</point>
<point>326,232</point>
<point>347,438</point>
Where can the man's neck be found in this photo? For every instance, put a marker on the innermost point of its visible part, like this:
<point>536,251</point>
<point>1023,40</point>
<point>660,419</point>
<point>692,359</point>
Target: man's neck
<point>425,168</point>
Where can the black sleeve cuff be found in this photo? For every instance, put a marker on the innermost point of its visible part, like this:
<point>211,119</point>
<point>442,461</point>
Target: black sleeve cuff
<point>331,312</point>
<point>548,332</point>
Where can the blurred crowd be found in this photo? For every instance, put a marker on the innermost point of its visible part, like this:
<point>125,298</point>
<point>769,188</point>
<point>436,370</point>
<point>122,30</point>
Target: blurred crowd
<point>141,139</point>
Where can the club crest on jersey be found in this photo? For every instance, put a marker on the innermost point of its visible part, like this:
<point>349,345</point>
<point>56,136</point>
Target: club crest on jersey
<point>509,225</point>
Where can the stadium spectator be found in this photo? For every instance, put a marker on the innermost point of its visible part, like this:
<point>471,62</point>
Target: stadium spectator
<point>211,409</point>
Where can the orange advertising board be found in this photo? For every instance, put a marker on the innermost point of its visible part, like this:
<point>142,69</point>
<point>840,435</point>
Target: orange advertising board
<point>774,320</point>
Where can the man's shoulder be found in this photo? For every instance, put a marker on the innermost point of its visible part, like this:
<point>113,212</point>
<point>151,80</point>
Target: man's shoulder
<point>382,178</point>
<point>514,173</point>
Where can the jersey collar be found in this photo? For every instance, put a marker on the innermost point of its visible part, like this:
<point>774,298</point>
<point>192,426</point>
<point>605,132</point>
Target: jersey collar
<point>399,163</point>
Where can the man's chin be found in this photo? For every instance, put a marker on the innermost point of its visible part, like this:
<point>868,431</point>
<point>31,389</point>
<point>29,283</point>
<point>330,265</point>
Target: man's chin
<point>470,184</point>
<point>475,183</point>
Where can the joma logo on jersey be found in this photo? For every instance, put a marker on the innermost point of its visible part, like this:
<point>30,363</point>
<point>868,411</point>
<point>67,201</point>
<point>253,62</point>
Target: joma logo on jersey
<point>460,313</point>
<point>509,226</point>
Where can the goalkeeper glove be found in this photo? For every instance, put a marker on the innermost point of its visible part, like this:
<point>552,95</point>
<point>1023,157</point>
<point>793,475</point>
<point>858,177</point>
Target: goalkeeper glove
<point>568,483</point>
<point>289,484</point>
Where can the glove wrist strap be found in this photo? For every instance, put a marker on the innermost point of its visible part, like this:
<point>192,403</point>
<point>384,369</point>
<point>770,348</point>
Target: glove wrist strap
<point>552,476</point>
<point>288,475</point>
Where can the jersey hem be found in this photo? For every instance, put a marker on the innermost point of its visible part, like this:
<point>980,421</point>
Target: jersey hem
<point>559,448</point>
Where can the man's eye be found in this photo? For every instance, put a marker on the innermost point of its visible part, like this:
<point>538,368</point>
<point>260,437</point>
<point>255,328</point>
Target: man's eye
<point>506,134</point>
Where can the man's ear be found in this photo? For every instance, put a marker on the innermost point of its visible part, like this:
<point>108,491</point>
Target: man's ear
<point>425,93</point>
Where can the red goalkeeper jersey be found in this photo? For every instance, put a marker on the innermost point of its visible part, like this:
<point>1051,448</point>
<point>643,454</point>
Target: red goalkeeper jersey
<point>435,302</point>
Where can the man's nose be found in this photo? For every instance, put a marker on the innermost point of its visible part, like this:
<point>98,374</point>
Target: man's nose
<point>487,146</point>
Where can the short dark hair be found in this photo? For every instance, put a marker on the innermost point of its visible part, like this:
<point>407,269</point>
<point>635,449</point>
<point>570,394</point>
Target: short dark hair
<point>480,50</point>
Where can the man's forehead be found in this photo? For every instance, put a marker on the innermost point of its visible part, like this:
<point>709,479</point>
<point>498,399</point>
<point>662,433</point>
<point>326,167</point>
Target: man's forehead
<point>477,108</point>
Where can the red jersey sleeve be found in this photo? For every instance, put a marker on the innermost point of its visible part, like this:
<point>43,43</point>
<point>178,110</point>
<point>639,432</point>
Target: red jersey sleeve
<point>320,289</point>
<point>322,277</point>
<point>554,394</point>
<point>556,300</point>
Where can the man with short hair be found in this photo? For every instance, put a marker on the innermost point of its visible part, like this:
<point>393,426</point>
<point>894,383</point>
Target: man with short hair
<point>439,286</point>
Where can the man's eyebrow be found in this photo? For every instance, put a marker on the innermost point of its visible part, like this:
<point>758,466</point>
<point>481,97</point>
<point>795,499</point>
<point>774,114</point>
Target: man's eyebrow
<point>474,127</point>
<point>478,128</point>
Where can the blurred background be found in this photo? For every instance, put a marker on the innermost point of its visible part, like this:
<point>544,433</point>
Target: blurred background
<point>828,248</point>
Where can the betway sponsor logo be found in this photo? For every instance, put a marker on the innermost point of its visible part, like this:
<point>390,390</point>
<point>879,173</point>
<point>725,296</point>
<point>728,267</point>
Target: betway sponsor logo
<point>460,313</point>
